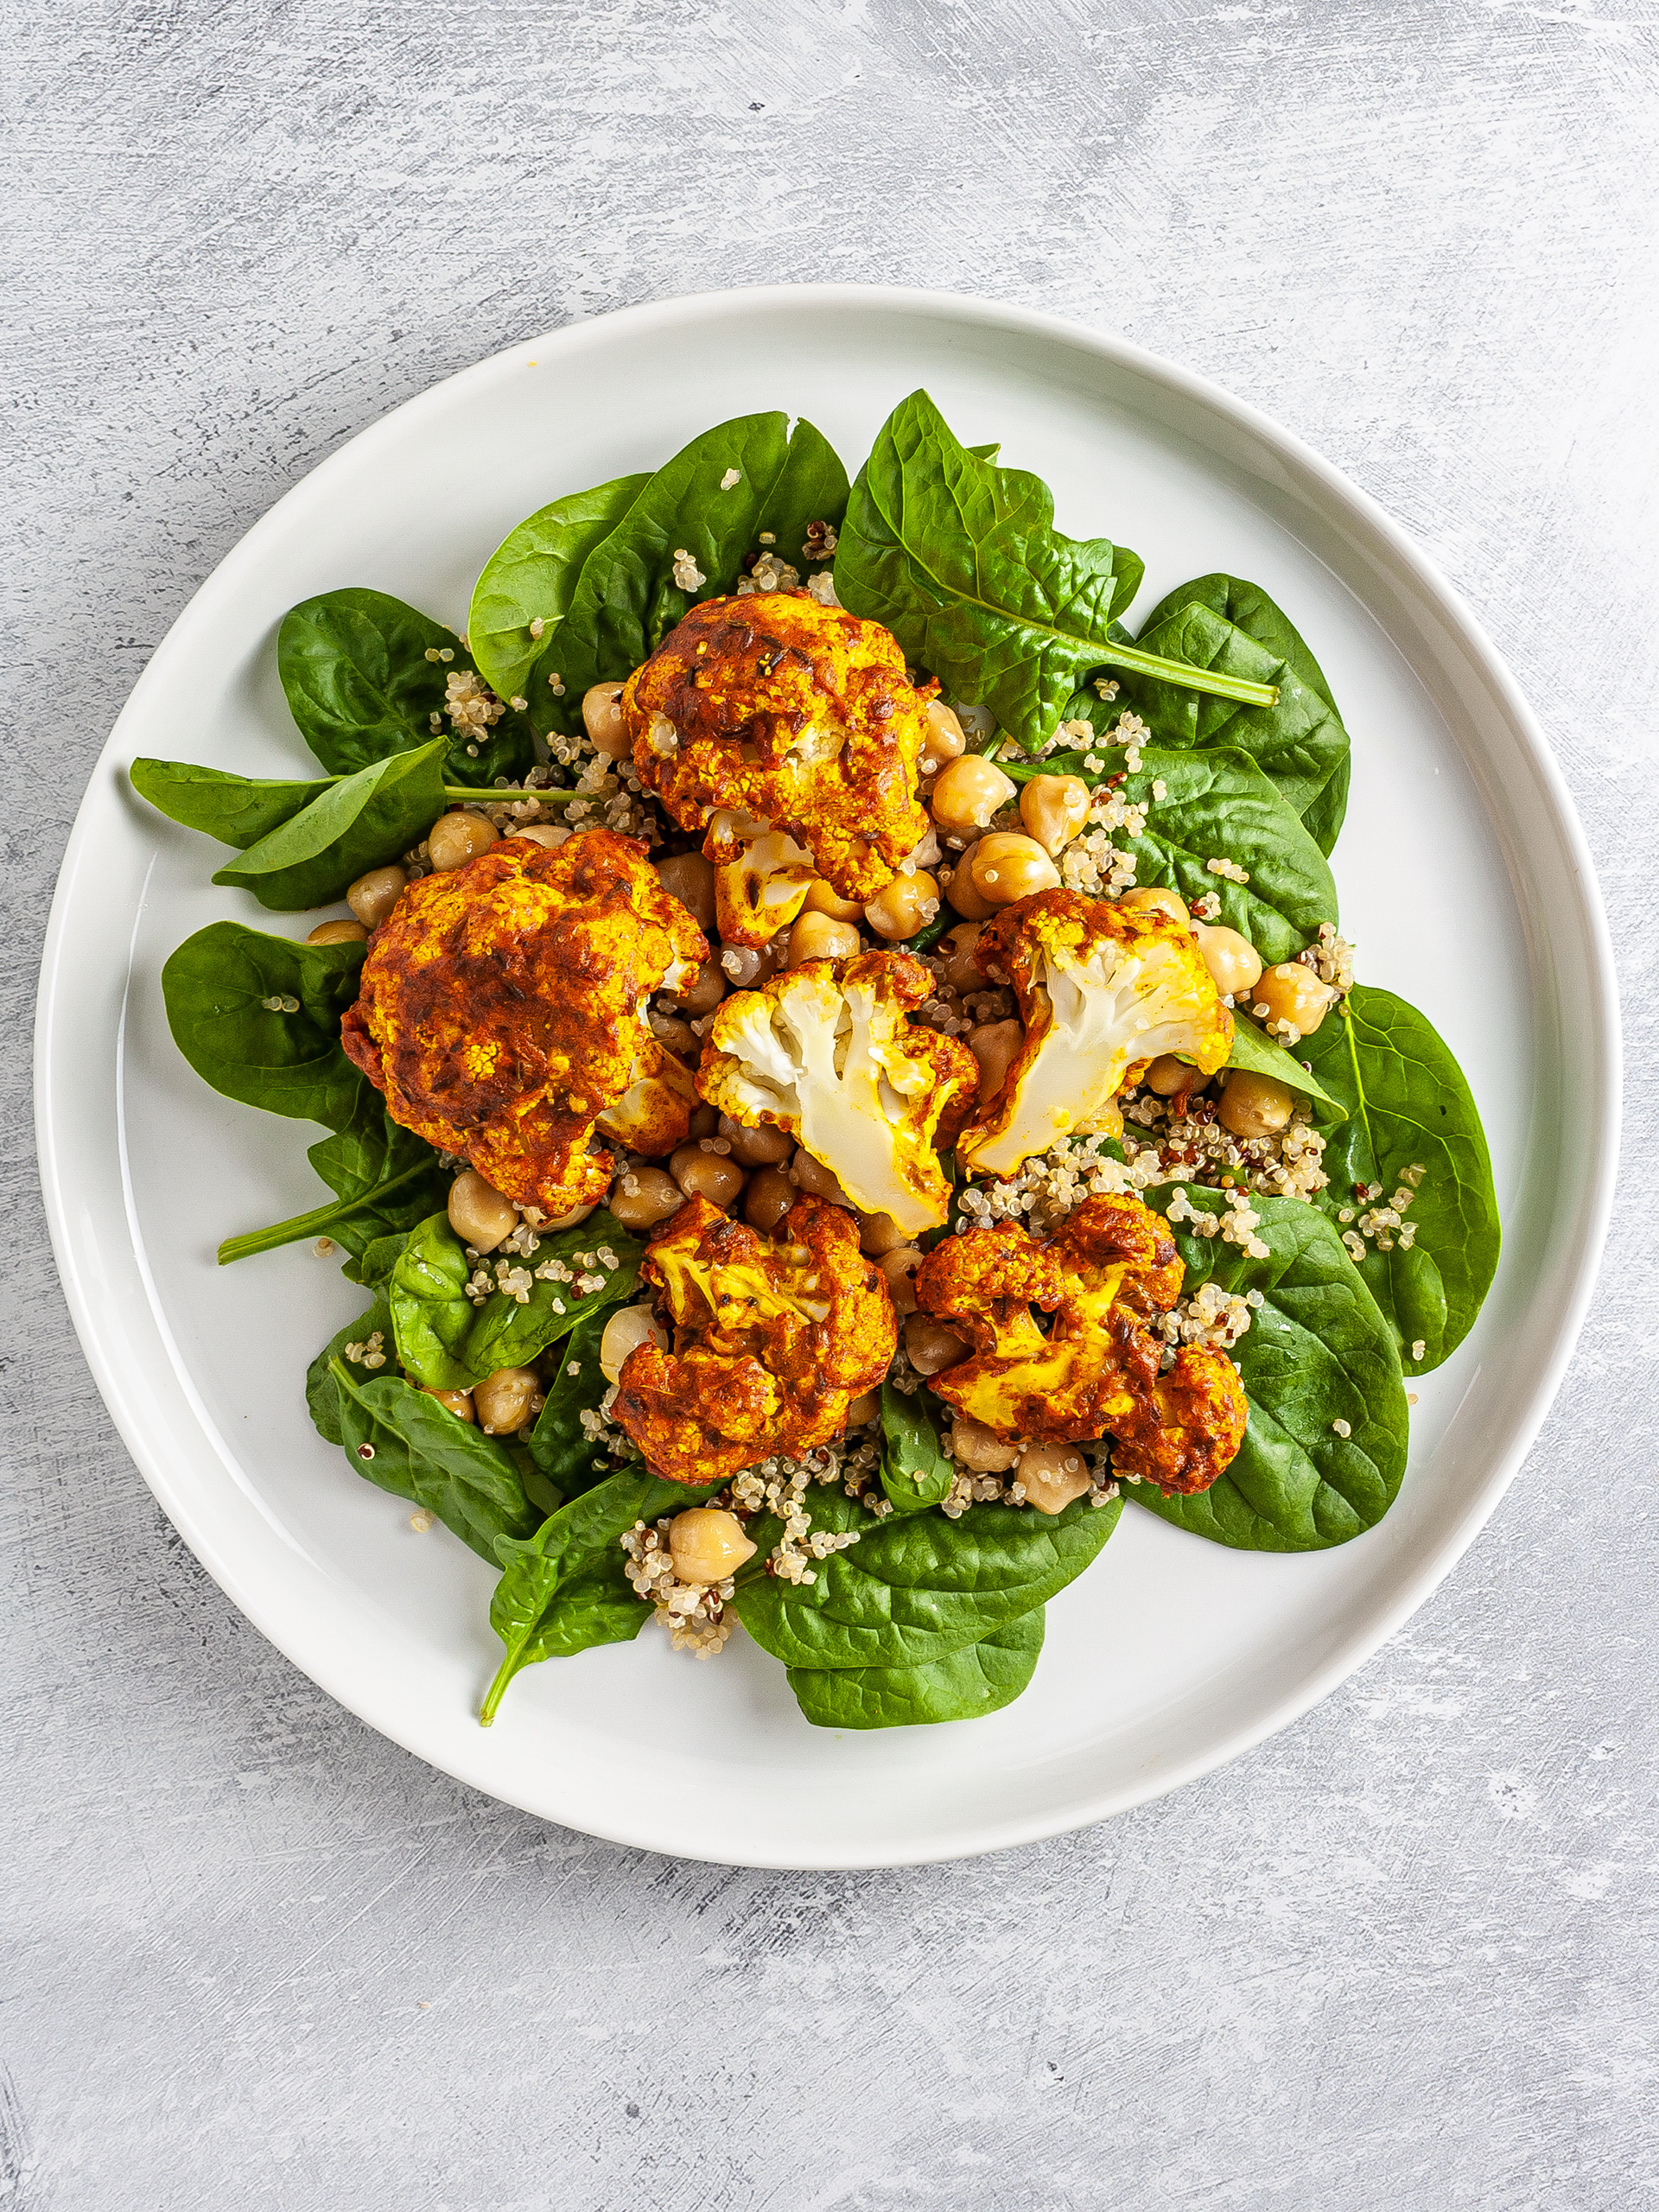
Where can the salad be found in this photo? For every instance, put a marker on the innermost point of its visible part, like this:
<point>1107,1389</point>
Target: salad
<point>838,1066</point>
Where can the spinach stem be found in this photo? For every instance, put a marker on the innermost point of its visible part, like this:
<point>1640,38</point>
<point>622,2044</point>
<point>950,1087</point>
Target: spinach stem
<point>1189,678</point>
<point>314,1224</point>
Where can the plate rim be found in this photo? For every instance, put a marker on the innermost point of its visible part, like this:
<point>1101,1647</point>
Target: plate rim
<point>1360,511</point>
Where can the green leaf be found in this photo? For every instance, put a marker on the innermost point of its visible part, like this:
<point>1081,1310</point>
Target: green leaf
<point>1216,805</point>
<point>1318,1350</point>
<point>917,1586</point>
<point>559,1444</point>
<point>370,818</point>
<point>447,1343</point>
<point>1323,821</point>
<point>916,1469</point>
<point>321,1392</point>
<point>386,1179</point>
<point>419,1450</point>
<point>1262,1055</point>
<point>966,1684</point>
<point>563,1590</point>
<point>354,668</point>
<point>626,599</point>
<point>216,988</point>
<point>237,810</point>
<point>1300,742</point>
<point>1410,1104</point>
<point>530,578</point>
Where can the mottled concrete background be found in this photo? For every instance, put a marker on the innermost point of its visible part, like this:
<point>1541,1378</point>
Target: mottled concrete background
<point>1402,1956</point>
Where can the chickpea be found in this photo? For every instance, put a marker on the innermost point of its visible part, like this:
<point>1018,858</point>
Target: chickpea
<point>1053,1475</point>
<point>602,714</point>
<point>706,1544</point>
<point>1294,994</point>
<point>704,991</point>
<point>931,1347</point>
<point>459,1403</point>
<point>1005,866</point>
<point>709,1175</point>
<point>504,1399</point>
<point>767,1146</point>
<point>1054,809</point>
<point>768,1198</point>
<point>1254,1105</point>
<point>550,834</point>
<point>478,1213</point>
<point>862,1411</point>
<point>963,896</point>
<point>879,1233</point>
<point>898,1270</point>
<point>1233,960</point>
<point>818,1181</point>
<point>567,1219</point>
<point>338,933</point>
<point>625,1331</point>
<point>993,1045</point>
<point>680,1037</point>
<point>815,936</point>
<point>1167,1074</point>
<point>980,1448</point>
<point>641,1197</point>
<point>968,792</point>
<point>748,965</point>
<point>945,740</point>
<point>823,898</point>
<point>690,879</point>
<point>955,949</point>
<point>1156,899</point>
<point>705,1121</point>
<point>372,897</point>
<point>908,904</point>
<point>456,838</point>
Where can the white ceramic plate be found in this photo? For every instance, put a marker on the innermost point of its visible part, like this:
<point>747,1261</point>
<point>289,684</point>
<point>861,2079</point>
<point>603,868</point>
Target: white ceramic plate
<point>1463,879</point>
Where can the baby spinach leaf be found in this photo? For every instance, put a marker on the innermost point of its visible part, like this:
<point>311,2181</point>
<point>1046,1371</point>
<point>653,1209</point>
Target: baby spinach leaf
<point>916,1469</point>
<point>322,1393</point>
<point>530,578</point>
<point>237,810</point>
<point>386,1179</point>
<point>1249,608</point>
<point>373,1267</point>
<point>1262,1055</point>
<point>626,599</point>
<point>368,819</point>
<point>1409,1106</point>
<point>563,1589</point>
<point>559,1444</point>
<point>917,1586</point>
<point>1299,741</point>
<point>399,1439</point>
<point>964,1685</point>
<point>1216,805</point>
<point>446,1342</point>
<point>960,559</point>
<point>1318,1350</point>
<point>354,668</point>
<point>219,990</point>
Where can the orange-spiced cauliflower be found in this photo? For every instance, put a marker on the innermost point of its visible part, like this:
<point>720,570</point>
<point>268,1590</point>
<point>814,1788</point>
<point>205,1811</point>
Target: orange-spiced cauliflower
<point>772,1340</point>
<point>1106,1280</point>
<point>502,1012</point>
<point>771,709</point>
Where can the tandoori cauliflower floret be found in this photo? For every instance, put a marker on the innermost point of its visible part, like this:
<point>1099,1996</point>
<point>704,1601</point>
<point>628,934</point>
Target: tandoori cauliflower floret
<point>772,1340</point>
<point>502,1011</point>
<point>1105,1279</point>
<point>797,714</point>
<point>826,1051</point>
<point>763,887</point>
<point>1102,993</point>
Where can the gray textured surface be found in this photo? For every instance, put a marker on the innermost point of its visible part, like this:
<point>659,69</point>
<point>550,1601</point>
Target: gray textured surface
<point>1402,1956</point>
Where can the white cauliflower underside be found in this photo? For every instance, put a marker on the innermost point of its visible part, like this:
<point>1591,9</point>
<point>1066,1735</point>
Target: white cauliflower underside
<point>829,1062</point>
<point>1090,1021</point>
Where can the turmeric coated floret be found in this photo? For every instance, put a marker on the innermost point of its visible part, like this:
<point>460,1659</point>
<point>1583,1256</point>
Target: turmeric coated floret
<point>772,1340</point>
<point>789,716</point>
<point>502,1011</point>
<point>1097,1368</point>
<point>826,1051</point>
<point>1103,992</point>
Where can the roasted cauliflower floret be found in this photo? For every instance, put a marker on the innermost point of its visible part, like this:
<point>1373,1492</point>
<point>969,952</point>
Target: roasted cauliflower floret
<point>800,717</point>
<point>772,1340</point>
<point>1102,992</point>
<point>1105,1280</point>
<point>502,1011</point>
<point>826,1051</point>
